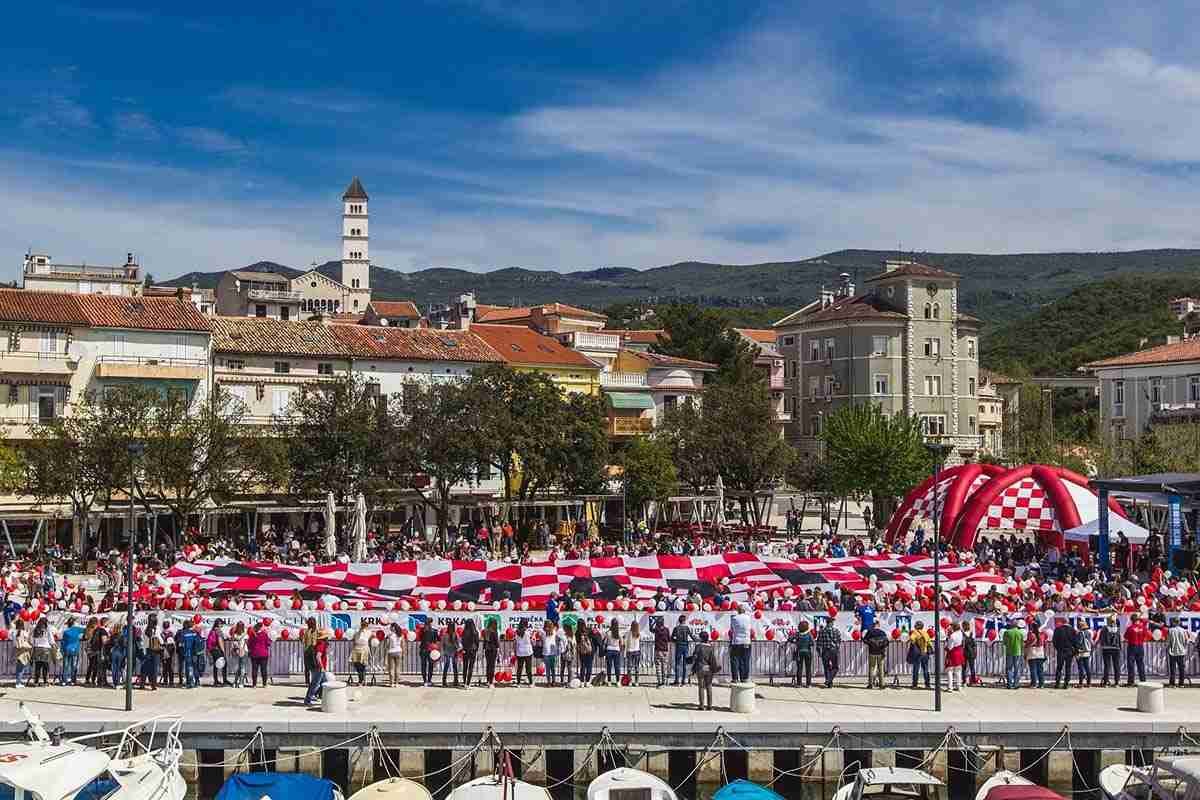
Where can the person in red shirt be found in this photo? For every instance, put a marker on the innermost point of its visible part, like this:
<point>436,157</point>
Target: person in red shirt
<point>1136,636</point>
<point>321,649</point>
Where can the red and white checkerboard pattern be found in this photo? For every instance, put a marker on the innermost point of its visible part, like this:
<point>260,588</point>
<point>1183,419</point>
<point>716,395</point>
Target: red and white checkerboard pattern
<point>1022,506</point>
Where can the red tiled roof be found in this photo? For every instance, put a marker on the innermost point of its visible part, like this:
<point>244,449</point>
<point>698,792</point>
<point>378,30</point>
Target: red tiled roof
<point>520,345</point>
<point>660,360</point>
<point>758,335</point>
<point>564,310</point>
<point>1183,351</point>
<point>398,309</point>
<point>101,310</point>
<point>263,336</point>
<point>913,270</point>
<point>650,336</point>
<point>862,306</point>
<point>414,344</point>
<point>489,313</point>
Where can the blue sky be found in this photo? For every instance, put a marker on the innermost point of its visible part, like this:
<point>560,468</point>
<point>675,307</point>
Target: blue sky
<point>573,135</point>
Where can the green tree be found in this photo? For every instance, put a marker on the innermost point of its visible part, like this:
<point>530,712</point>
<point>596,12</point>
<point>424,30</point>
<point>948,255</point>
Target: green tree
<point>870,452</point>
<point>682,430</point>
<point>583,445</point>
<point>647,473</point>
<point>705,334</point>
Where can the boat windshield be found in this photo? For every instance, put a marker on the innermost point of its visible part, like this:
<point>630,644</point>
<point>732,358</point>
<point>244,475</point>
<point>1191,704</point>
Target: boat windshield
<point>904,791</point>
<point>98,788</point>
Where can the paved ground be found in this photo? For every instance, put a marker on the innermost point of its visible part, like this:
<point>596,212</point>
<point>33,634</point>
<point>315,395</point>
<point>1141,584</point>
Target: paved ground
<point>888,718</point>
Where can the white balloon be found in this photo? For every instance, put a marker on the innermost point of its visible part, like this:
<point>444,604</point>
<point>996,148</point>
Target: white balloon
<point>435,655</point>
<point>458,605</point>
<point>470,605</point>
<point>441,605</point>
<point>524,605</point>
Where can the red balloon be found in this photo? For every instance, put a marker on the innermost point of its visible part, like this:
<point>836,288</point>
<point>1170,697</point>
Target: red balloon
<point>856,634</point>
<point>714,635</point>
<point>3,634</point>
<point>758,615</point>
<point>541,669</point>
<point>224,604</point>
<point>267,621</point>
<point>320,605</point>
<point>297,605</point>
<point>599,619</point>
<point>770,634</point>
<point>510,634</point>
<point>379,635</point>
<point>690,606</point>
<point>206,604</point>
<point>991,635</point>
<point>759,605</point>
<point>339,633</point>
<point>945,622</point>
<point>25,614</point>
<point>196,619</point>
<point>726,605</point>
<point>285,634</point>
<point>895,633</point>
<point>624,680</point>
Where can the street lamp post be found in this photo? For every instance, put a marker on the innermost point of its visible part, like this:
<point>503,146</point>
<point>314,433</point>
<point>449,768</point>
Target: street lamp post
<point>134,450</point>
<point>938,451</point>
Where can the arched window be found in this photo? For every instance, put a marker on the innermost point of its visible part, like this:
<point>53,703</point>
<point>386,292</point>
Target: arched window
<point>937,310</point>
<point>928,311</point>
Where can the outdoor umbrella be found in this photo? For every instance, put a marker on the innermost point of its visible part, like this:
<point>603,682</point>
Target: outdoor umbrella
<point>330,528</point>
<point>719,520</point>
<point>359,553</point>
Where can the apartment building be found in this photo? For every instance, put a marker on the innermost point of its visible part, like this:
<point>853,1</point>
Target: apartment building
<point>41,273</point>
<point>770,362</point>
<point>902,344</point>
<point>1156,385</point>
<point>642,386</point>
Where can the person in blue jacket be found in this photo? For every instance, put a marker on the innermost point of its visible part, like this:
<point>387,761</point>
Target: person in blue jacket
<point>72,637</point>
<point>189,644</point>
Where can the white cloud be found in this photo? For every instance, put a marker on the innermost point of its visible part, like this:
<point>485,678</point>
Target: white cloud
<point>137,126</point>
<point>210,140</point>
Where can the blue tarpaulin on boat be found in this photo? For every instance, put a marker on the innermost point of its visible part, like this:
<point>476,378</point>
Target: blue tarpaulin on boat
<point>745,790</point>
<point>277,786</point>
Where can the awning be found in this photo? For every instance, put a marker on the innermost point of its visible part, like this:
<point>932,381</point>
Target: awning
<point>630,400</point>
<point>1135,533</point>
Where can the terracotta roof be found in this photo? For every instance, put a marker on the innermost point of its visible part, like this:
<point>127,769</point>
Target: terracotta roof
<point>520,345</point>
<point>355,191</point>
<point>265,277</point>
<point>638,337</point>
<point>142,313</point>
<point>101,310</point>
<point>1186,350</point>
<point>913,270</point>
<point>23,305</point>
<point>991,376</point>
<point>489,313</point>
<point>414,344</point>
<point>276,337</point>
<point>352,317</point>
<point>758,335</point>
<point>660,360</point>
<point>861,306</point>
<point>398,309</point>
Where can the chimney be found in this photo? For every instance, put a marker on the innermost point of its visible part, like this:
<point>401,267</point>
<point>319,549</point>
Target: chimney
<point>826,297</point>
<point>1142,342</point>
<point>845,285</point>
<point>464,311</point>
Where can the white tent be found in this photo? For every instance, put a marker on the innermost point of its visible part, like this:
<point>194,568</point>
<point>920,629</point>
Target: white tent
<point>719,518</point>
<point>359,552</point>
<point>330,528</point>
<point>1135,533</point>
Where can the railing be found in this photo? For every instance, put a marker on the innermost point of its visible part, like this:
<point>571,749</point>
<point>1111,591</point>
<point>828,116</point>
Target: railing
<point>585,340</point>
<point>622,379</point>
<point>274,294</point>
<point>38,356</point>
<point>83,271</point>
<point>153,361</point>
<point>777,382</point>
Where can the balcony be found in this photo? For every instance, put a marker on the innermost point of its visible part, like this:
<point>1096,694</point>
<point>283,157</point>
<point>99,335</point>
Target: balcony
<point>33,363</point>
<point>274,295</point>
<point>184,369</point>
<point>586,340</point>
<point>623,379</point>
<point>630,426</point>
<point>777,383</point>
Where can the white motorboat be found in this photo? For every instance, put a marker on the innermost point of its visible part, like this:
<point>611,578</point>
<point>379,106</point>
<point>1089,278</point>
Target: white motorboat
<point>1001,777</point>
<point>624,783</point>
<point>48,767</point>
<point>1169,778</point>
<point>892,783</point>
<point>393,789</point>
<point>498,787</point>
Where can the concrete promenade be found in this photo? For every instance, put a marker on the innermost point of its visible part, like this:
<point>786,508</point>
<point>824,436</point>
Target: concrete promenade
<point>412,716</point>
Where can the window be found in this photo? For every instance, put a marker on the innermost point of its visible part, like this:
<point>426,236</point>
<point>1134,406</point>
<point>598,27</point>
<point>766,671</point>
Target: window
<point>280,400</point>
<point>792,368</point>
<point>829,348</point>
<point>285,312</point>
<point>118,344</point>
<point>50,342</point>
<point>1119,398</point>
<point>354,283</point>
<point>1119,430</point>
<point>47,401</point>
<point>325,368</point>
<point>283,367</point>
<point>1194,389</point>
<point>937,310</point>
<point>260,310</point>
<point>970,387</point>
<point>879,345</point>
<point>933,348</point>
<point>928,311</point>
<point>934,424</point>
<point>970,424</point>
<point>788,341</point>
<point>933,385</point>
<point>814,349</point>
<point>814,386</point>
<point>814,425</point>
<point>829,386</point>
<point>787,404</point>
<point>235,364</point>
<point>240,394</point>
<point>970,348</point>
<point>1156,391</point>
<point>881,384</point>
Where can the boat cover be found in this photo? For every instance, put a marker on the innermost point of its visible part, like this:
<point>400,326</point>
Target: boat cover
<point>276,786</point>
<point>745,790</point>
<point>1016,791</point>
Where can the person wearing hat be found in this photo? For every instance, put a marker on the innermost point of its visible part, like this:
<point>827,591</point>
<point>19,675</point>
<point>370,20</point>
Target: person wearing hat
<point>320,664</point>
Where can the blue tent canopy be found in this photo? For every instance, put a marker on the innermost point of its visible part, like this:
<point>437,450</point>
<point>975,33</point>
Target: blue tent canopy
<point>277,786</point>
<point>745,790</point>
